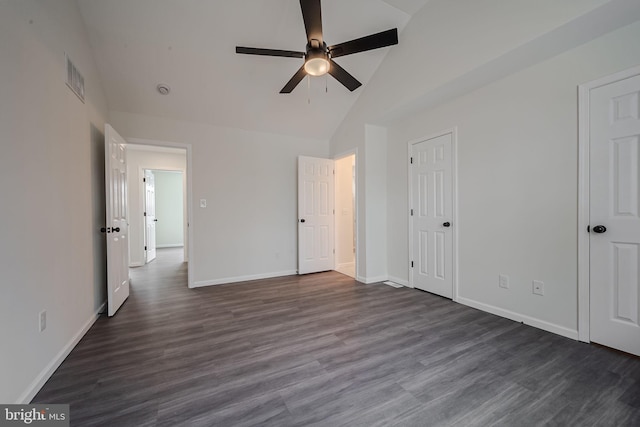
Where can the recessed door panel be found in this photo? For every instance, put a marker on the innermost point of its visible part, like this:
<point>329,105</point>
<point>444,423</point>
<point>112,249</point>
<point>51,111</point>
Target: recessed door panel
<point>423,253</point>
<point>625,182</point>
<point>625,275</point>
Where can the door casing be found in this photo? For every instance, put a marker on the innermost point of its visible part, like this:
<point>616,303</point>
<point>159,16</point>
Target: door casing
<point>189,200</point>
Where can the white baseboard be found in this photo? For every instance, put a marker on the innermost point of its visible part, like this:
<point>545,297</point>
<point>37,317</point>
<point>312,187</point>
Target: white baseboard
<point>399,281</point>
<point>369,280</point>
<point>345,265</point>
<point>175,245</point>
<point>527,320</point>
<point>46,373</point>
<point>346,268</point>
<point>237,279</point>
<point>136,264</point>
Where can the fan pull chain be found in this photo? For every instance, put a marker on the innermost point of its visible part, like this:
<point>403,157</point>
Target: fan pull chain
<point>326,83</point>
<point>308,89</point>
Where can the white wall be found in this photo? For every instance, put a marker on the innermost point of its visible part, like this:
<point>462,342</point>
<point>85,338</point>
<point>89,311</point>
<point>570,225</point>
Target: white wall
<point>446,46</point>
<point>472,64</point>
<point>375,205</point>
<point>345,244</point>
<point>249,227</point>
<point>139,158</point>
<point>517,163</point>
<point>169,209</point>
<point>52,254</point>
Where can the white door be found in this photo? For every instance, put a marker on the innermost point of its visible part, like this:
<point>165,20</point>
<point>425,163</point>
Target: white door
<point>431,237</point>
<point>115,166</point>
<point>315,215</point>
<point>150,215</point>
<point>615,215</point>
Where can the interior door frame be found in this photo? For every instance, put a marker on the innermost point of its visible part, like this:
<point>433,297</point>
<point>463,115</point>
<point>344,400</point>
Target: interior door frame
<point>454,198</point>
<point>584,125</point>
<point>352,152</point>
<point>189,201</point>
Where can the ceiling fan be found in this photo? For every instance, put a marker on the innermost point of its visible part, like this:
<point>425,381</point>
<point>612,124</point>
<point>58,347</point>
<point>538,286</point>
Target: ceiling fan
<point>318,58</point>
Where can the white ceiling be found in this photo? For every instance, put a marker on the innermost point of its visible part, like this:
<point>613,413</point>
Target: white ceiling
<point>190,45</point>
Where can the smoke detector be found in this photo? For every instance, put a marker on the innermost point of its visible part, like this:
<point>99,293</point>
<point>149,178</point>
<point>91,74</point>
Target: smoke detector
<point>163,89</point>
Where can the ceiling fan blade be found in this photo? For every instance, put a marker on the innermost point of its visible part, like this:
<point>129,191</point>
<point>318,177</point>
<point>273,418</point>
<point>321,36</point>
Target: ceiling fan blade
<point>341,75</point>
<point>373,41</point>
<point>295,80</point>
<point>312,16</point>
<point>269,52</point>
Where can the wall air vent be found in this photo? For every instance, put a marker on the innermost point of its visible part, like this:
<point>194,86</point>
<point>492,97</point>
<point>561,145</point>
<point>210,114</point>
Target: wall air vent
<point>75,81</point>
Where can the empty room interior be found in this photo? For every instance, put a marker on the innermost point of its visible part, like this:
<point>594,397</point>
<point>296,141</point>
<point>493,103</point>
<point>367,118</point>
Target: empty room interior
<point>305,212</point>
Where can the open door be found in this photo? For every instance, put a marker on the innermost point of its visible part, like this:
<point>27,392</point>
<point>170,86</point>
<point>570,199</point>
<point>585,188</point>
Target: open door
<point>315,215</point>
<point>150,215</point>
<point>117,225</point>
<point>614,215</point>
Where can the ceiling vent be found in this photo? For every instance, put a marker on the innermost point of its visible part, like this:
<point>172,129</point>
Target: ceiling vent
<point>75,81</point>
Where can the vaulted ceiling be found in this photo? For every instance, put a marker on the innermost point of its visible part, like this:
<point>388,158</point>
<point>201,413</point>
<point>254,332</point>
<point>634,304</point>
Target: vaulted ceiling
<point>190,46</point>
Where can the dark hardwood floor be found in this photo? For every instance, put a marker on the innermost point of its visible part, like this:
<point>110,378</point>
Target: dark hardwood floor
<point>325,350</point>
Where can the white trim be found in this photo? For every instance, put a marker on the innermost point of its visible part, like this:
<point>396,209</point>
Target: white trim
<point>46,373</point>
<point>454,198</point>
<point>584,91</point>
<point>370,280</point>
<point>171,245</point>
<point>527,320</point>
<point>400,281</point>
<point>342,155</point>
<point>190,254</point>
<point>345,268</point>
<point>236,279</point>
<point>583,213</point>
<point>136,264</point>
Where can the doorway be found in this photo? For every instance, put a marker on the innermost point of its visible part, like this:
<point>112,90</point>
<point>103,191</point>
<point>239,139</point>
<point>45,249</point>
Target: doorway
<point>345,217</point>
<point>164,211</point>
<point>327,214</point>
<point>157,192</point>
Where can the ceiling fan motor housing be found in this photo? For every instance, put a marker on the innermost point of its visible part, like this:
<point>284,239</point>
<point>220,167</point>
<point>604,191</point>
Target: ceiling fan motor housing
<point>317,58</point>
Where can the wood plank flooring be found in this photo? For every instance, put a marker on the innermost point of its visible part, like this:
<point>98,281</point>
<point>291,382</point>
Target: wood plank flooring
<point>325,350</point>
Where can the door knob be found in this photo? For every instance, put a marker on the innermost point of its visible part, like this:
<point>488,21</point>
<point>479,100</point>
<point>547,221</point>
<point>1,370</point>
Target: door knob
<point>446,224</point>
<point>599,229</point>
<point>302,220</point>
<point>155,220</point>
<point>116,229</point>
<point>104,230</point>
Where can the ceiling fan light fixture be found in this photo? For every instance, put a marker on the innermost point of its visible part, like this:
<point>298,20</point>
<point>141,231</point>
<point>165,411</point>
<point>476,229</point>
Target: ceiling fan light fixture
<point>317,64</point>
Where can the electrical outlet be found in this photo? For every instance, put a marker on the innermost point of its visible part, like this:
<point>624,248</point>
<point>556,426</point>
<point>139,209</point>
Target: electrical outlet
<point>538,288</point>
<point>203,203</point>
<point>503,281</point>
<point>42,320</point>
